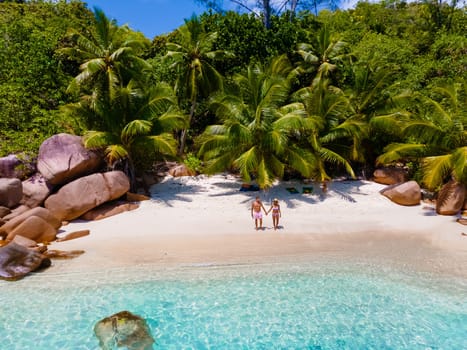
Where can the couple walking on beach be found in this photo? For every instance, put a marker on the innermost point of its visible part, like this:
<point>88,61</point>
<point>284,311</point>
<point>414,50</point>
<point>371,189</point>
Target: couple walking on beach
<point>257,214</point>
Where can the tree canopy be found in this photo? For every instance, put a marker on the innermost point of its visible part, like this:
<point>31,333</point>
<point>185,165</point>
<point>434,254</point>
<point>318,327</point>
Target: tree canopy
<point>268,91</point>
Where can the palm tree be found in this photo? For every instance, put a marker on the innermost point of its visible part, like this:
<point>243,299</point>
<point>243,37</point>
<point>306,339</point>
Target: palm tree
<point>258,126</point>
<point>148,136</point>
<point>322,56</point>
<point>191,57</point>
<point>437,135</point>
<point>109,58</point>
<point>330,136</point>
<point>374,103</point>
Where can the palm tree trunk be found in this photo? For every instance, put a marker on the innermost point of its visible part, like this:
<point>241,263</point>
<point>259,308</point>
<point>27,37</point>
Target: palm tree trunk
<point>183,135</point>
<point>267,13</point>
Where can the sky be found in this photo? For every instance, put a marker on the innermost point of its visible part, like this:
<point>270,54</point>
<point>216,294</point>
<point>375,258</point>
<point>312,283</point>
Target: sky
<point>152,17</point>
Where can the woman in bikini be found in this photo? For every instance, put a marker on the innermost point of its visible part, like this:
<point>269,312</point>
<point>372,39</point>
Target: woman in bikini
<point>276,213</point>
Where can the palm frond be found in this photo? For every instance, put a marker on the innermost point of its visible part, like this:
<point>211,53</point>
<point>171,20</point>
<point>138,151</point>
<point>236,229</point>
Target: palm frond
<point>247,162</point>
<point>159,145</point>
<point>435,169</point>
<point>99,139</point>
<point>171,120</point>
<point>115,153</point>
<point>264,176</point>
<point>301,160</point>
<point>398,151</point>
<point>134,129</point>
<point>330,156</point>
<point>459,164</point>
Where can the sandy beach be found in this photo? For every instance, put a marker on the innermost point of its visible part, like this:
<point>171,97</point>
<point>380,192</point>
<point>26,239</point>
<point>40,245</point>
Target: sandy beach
<point>206,220</point>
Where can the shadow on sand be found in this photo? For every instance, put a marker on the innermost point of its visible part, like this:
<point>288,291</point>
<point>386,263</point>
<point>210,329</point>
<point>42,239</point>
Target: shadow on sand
<point>174,190</point>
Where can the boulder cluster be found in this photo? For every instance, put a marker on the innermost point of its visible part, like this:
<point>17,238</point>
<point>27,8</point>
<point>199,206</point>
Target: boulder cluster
<point>450,200</point>
<point>67,183</point>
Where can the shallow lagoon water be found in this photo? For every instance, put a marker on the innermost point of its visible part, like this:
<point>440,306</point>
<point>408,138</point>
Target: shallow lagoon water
<point>321,304</point>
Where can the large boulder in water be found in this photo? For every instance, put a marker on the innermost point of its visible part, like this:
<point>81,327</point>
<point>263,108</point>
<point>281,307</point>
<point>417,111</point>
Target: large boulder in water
<point>63,158</point>
<point>124,329</point>
<point>17,261</point>
<point>451,198</point>
<point>407,193</point>
<point>11,192</point>
<point>86,193</point>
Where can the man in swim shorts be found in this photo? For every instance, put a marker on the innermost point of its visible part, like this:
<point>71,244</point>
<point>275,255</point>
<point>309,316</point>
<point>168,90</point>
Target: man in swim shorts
<point>257,214</point>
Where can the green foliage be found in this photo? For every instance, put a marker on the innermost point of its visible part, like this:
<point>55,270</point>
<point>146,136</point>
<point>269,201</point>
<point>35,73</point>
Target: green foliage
<point>256,132</point>
<point>382,81</point>
<point>33,78</point>
<point>193,163</point>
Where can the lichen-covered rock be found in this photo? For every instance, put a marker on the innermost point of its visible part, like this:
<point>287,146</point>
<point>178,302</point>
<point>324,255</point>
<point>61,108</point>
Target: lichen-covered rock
<point>63,158</point>
<point>35,190</point>
<point>124,329</point>
<point>407,193</point>
<point>11,192</point>
<point>83,194</point>
<point>17,261</point>
<point>451,198</point>
<point>390,176</point>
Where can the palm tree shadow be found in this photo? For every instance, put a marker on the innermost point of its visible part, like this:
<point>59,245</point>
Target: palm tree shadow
<point>171,192</point>
<point>347,194</point>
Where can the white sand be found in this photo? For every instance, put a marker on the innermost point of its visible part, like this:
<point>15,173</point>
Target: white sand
<point>207,220</point>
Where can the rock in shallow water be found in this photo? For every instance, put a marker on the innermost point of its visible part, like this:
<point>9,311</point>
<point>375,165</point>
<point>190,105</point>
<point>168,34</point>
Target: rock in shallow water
<point>124,329</point>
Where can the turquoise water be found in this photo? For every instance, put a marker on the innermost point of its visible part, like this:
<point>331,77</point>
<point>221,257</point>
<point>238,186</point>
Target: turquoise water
<point>320,305</point>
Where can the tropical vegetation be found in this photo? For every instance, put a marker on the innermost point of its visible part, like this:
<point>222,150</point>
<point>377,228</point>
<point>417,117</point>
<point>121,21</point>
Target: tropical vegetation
<point>270,94</point>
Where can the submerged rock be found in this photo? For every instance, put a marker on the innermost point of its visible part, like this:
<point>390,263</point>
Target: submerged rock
<point>124,329</point>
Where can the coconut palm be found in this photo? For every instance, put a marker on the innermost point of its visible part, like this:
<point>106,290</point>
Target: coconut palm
<point>330,136</point>
<point>437,135</point>
<point>258,127</point>
<point>322,56</point>
<point>109,58</point>
<point>152,117</point>
<point>374,103</point>
<point>191,56</point>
